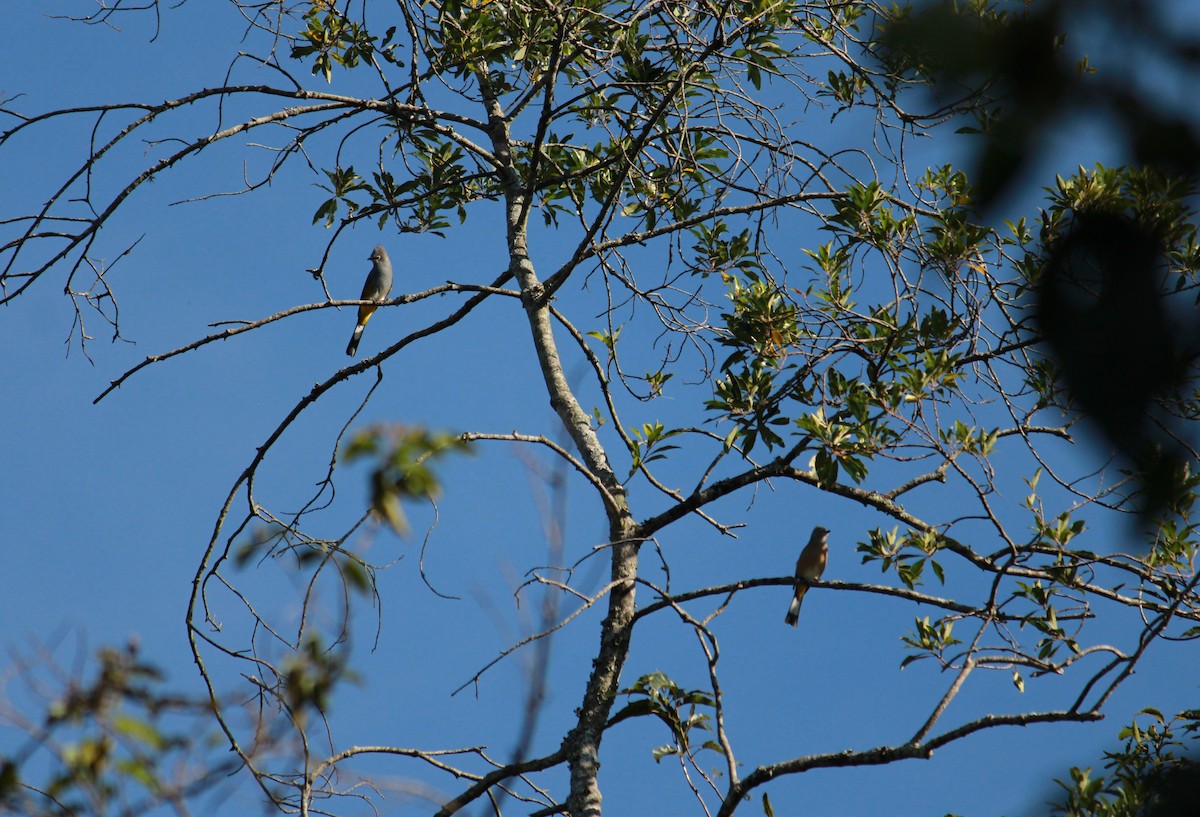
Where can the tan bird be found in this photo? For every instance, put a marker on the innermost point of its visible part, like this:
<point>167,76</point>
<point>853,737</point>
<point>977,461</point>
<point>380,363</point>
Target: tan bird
<point>809,568</point>
<point>376,288</point>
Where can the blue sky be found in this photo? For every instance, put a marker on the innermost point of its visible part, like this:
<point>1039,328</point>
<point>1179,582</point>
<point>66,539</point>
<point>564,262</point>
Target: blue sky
<point>105,509</point>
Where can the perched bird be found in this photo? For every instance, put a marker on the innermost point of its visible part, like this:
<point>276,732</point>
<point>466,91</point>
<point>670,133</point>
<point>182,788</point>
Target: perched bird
<point>376,288</point>
<point>809,568</point>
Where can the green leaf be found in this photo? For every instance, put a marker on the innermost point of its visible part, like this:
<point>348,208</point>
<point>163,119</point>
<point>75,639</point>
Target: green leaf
<point>139,730</point>
<point>9,779</point>
<point>634,709</point>
<point>660,752</point>
<point>826,468</point>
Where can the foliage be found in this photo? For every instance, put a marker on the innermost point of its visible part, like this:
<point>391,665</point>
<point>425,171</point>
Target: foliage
<point>119,742</point>
<point>402,469</point>
<point>1148,776</point>
<point>656,695</point>
<point>827,320</point>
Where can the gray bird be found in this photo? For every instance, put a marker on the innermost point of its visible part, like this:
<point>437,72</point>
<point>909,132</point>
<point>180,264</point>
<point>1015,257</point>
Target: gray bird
<point>809,568</point>
<point>376,288</point>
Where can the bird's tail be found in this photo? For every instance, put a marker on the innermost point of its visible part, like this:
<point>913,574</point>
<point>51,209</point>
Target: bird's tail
<point>793,613</point>
<point>352,347</point>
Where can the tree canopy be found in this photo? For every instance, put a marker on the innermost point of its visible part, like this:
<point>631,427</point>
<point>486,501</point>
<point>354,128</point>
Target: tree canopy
<point>732,246</point>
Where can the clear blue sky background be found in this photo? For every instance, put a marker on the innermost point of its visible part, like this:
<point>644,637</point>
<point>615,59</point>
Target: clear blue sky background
<point>105,509</point>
